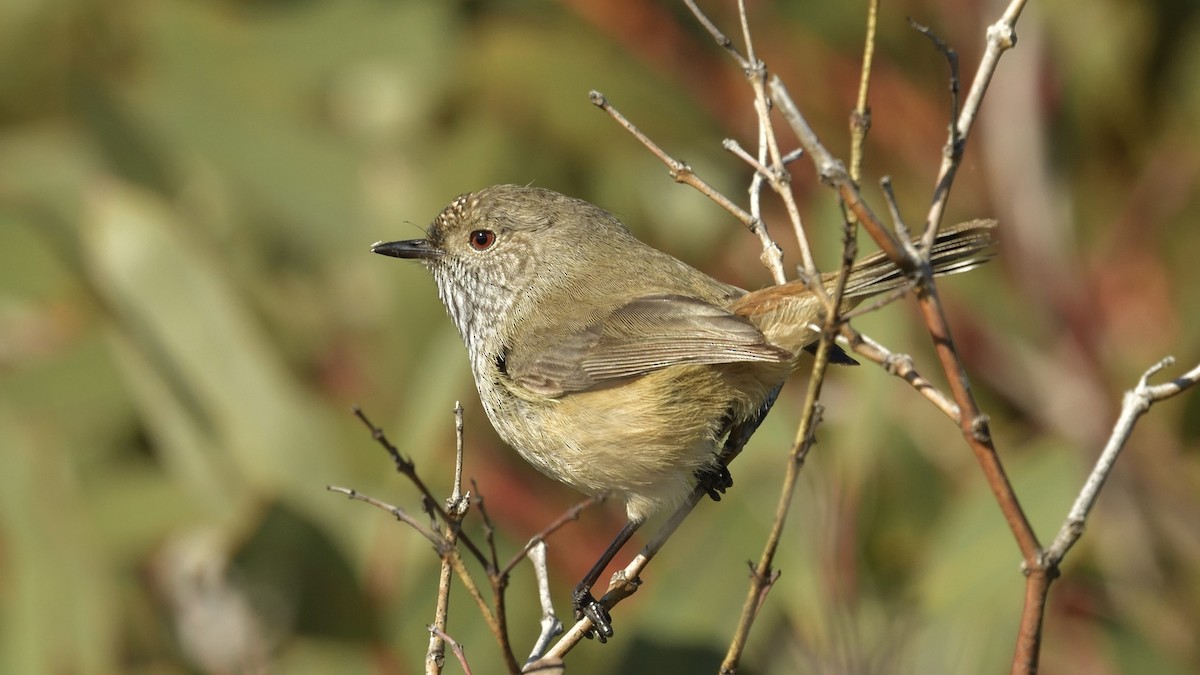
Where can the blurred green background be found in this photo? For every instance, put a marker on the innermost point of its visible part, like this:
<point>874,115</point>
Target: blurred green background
<point>188,310</point>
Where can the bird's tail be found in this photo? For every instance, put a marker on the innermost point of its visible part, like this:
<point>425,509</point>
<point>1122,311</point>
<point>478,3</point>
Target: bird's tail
<point>787,314</point>
<point>956,249</point>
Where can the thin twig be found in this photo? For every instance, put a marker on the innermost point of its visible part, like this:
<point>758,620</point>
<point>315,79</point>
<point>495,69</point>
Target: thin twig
<point>570,515</point>
<point>763,575</point>
<point>778,177</point>
<point>680,172</point>
<point>1136,403</point>
<point>440,634</point>
<point>408,469</point>
<point>1001,36</point>
<point>551,626</point>
<point>860,119</point>
<point>972,422</point>
<point>1041,574</point>
<point>489,529</point>
<point>718,37</point>
<point>458,503</point>
<point>456,510</point>
<point>771,163</point>
<point>736,148</point>
<point>955,140</point>
<point>398,513</point>
<point>435,653</point>
<point>900,365</point>
<point>833,172</point>
<point>497,629</point>
<point>898,224</point>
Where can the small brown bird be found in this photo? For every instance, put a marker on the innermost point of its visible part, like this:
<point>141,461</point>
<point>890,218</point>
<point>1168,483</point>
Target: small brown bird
<point>612,366</point>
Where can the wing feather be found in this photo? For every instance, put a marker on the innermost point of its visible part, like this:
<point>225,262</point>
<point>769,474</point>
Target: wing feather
<point>645,335</point>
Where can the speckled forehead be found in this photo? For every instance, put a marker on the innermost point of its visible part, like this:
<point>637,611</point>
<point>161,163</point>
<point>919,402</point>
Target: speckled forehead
<point>454,210</point>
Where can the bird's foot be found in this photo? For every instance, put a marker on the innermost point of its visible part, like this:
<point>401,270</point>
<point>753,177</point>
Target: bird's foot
<point>586,605</point>
<point>714,479</point>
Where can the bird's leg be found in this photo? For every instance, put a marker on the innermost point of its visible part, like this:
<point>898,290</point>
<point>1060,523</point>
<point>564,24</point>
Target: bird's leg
<point>715,479</point>
<point>583,600</point>
<point>740,432</point>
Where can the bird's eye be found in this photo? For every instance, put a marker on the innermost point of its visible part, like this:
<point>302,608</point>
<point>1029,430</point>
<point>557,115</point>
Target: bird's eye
<point>482,240</point>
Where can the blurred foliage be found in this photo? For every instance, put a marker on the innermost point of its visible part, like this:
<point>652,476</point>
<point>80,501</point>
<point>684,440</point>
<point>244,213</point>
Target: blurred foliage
<point>188,309</point>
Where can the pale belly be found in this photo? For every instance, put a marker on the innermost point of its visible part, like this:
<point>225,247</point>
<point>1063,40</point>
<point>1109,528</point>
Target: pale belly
<point>642,438</point>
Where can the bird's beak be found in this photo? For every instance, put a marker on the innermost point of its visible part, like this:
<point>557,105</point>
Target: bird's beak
<point>413,249</point>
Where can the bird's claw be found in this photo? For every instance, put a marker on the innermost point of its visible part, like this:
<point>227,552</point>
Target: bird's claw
<point>586,605</point>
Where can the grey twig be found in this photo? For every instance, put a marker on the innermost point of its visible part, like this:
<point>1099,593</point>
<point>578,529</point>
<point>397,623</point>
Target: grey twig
<point>456,509</point>
<point>898,223</point>
<point>1136,403</point>
<point>571,514</point>
<point>435,653</point>
<point>406,467</point>
<point>398,513</point>
<point>551,626</point>
<point>833,172</point>
<point>681,172</point>
<point>902,366</point>
<point>1001,36</point>
<point>455,647</point>
<point>718,37</point>
<point>458,503</point>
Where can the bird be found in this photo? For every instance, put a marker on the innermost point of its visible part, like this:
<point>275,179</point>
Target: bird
<point>614,367</point>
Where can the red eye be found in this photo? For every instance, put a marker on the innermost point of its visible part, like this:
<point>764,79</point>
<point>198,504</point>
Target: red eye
<point>482,240</point>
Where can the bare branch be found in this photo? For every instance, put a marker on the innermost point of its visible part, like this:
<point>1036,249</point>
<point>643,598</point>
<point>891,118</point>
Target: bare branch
<point>409,471</point>
<point>458,503</point>
<point>1001,36</point>
<point>435,653</point>
<point>769,154</point>
<point>764,576</point>
<point>682,173</point>
<point>489,530</point>
<point>440,634</point>
<point>860,119</point>
<point>833,172</point>
<point>398,513</point>
<point>719,37</point>
<point>494,625</point>
<point>551,626</point>
<point>898,224</point>
<point>571,515</point>
<point>456,508</point>
<point>955,141</point>
<point>900,365</point>
<point>1136,403</point>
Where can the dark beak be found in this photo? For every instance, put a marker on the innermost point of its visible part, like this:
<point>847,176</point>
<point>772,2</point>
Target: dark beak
<point>413,249</point>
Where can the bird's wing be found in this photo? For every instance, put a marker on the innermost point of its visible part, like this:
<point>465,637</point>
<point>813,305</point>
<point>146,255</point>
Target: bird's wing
<point>648,334</point>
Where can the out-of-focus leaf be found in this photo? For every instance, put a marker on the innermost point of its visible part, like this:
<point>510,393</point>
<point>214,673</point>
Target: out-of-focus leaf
<point>59,609</point>
<point>974,568</point>
<point>204,355</point>
<point>252,97</point>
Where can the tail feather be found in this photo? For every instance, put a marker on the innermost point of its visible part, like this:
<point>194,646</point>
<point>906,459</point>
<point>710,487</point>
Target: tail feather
<point>785,313</point>
<point>956,249</point>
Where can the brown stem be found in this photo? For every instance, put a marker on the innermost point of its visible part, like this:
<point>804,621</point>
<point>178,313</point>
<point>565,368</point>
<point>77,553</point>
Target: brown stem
<point>681,172</point>
<point>763,576</point>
